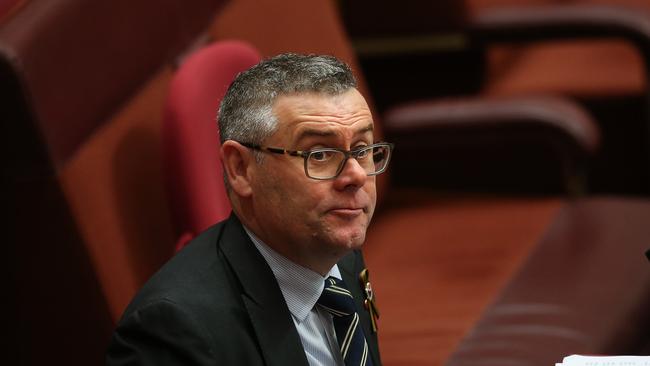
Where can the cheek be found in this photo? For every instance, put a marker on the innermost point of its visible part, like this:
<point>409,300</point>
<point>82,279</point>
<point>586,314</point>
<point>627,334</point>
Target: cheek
<point>371,190</point>
<point>291,197</point>
<point>309,194</point>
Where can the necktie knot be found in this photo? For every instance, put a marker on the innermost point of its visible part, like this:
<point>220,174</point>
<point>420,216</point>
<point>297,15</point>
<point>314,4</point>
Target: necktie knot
<point>336,299</point>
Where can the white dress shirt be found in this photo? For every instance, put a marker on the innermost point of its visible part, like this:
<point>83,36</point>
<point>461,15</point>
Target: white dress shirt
<point>301,288</point>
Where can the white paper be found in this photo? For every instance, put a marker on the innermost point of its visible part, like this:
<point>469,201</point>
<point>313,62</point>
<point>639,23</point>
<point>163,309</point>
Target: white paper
<point>578,360</point>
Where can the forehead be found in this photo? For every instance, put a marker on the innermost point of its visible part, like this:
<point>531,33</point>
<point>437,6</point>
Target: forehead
<point>305,114</point>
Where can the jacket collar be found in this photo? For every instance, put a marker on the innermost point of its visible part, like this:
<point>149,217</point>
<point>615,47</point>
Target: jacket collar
<point>276,333</point>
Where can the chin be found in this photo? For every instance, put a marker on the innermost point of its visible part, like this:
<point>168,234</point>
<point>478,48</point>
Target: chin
<point>343,237</point>
<point>351,241</point>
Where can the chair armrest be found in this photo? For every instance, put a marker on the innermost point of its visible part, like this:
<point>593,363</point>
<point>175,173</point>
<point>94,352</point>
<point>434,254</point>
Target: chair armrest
<point>512,143</point>
<point>524,24</point>
<point>583,21</point>
<point>585,288</point>
<point>498,113</point>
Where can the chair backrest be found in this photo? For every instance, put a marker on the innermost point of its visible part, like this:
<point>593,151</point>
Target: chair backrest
<point>191,140</point>
<point>385,19</point>
<point>68,68</point>
<point>431,37</point>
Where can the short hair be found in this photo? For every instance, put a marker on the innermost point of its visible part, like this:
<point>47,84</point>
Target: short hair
<point>245,113</point>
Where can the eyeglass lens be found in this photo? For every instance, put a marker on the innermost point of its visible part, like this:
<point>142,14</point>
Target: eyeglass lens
<point>327,163</point>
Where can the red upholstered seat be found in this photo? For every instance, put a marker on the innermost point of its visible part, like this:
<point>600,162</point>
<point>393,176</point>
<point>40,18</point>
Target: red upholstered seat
<point>576,49</point>
<point>191,140</point>
<point>70,71</point>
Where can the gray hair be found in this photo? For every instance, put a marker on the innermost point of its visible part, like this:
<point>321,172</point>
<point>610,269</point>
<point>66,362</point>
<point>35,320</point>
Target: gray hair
<point>245,113</point>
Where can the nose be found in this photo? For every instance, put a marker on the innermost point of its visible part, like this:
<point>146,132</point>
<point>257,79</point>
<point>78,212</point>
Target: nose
<point>353,175</point>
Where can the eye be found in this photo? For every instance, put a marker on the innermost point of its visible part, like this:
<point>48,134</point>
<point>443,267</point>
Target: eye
<point>361,152</point>
<point>321,156</point>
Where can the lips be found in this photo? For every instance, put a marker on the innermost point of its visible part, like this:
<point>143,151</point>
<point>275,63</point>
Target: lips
<point>348,212</point>
<point>348,207</point>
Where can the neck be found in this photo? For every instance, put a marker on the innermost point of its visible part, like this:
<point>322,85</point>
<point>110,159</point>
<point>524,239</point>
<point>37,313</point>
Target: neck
<point>319,262</point>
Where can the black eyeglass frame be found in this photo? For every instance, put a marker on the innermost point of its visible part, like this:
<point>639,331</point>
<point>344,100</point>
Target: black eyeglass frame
<point>306,153</point>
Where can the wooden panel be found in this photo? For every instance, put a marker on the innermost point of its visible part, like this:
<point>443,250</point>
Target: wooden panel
<point>115,188</point>
<point>436,263</point>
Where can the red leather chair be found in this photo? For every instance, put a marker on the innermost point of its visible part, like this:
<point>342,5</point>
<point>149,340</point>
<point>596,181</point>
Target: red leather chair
<point>585,289</point>
<point>448,46</point>
<point>191,142</point>
<point>7,7</point>
<point>66,70</point>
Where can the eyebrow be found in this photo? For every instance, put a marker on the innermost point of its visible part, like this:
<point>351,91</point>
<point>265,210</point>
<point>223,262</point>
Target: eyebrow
<point>330,133</point>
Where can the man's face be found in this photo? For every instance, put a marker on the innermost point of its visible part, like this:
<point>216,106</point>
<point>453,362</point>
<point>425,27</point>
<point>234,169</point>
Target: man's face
<point>315,221</point>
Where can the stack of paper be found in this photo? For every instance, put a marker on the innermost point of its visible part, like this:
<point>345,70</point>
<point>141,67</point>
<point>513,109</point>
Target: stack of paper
<point>577,360</point>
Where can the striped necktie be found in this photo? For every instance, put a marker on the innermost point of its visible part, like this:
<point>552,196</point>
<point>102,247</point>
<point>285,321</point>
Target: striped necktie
<point>338,301</point>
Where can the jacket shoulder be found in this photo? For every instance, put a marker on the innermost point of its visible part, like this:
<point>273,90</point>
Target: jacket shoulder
<point>194,289</point>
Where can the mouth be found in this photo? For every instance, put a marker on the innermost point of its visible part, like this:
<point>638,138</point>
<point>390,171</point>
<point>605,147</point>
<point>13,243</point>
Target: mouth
<point>348,212</point>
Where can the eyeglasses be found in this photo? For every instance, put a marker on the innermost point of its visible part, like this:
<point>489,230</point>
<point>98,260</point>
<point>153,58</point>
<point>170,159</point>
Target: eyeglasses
<point>327,163</point>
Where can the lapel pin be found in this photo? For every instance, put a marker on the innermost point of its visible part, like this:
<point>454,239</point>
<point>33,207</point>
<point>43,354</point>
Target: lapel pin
<point>369,301</point>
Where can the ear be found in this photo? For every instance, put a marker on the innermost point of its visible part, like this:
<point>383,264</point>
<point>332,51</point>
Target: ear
<point>236,160</point>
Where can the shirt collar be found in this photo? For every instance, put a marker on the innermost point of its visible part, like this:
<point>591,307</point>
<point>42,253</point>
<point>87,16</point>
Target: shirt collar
<point>300,286</point>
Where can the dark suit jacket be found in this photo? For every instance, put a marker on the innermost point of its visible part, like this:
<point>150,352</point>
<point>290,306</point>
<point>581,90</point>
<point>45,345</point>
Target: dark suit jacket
<point>217,303</point>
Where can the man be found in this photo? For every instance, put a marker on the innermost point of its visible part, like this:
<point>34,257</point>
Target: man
<point>270,285</point>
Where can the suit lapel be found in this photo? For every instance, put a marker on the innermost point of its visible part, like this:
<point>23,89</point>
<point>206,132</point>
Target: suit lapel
<point>351,267</point>
<point>276,333</point>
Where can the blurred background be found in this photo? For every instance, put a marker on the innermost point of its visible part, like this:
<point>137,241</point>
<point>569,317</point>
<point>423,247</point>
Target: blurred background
<point>513,220</point>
